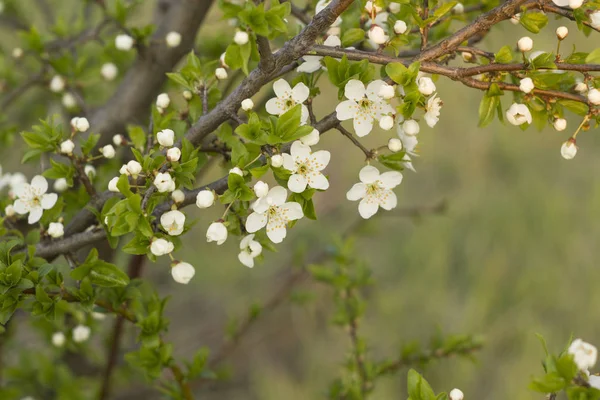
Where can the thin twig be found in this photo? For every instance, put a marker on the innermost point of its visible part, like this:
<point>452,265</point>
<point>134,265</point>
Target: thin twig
<point>424,30</point>
<point>368,153</point>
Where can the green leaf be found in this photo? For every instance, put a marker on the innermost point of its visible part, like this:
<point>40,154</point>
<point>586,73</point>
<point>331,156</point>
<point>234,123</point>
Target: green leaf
<point>352,36</point>
<point>88,145</point>
<point>396,71</point>
<point>593,57</point>
<point>418,388</point>
<point>533,21</point>
<point>549,383</point>
<point>504,55</point>
<point>137,136</point>
<point>487,109</point>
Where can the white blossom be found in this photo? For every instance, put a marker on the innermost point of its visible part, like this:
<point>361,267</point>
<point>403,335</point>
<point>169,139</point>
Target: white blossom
<point>432,115</point>
<point>81,333</point>
<point>178,196</point>
<point>526,85</point>
<point>568,150</point>
<point>60,185</point>
<point>273,212</point>
<point>574,4</point>
<point>306,168</point>
<point>249,250</point>
<point>370,7</point>
<point>221,73</point>
<point>584,354</point>
<point>173,154</point>
<point>288,98</point>
<point>182,272</point>
<point>17,52</point>
<point>459,8</point>
<point>132,168</point>
<point>595,19</point>
<point>173,39</point>
<point>374,191</point>
<point>312,138</point>
<point>456,394</point>
<point>108,151</point>
<point>112,185</point>
<point>518,114</point>
<point>363,105</point>
<point>247,104</point>
<point>237,171</point>
<point>261,189</point>
<point>68,101</point>
<point>400,27</point>
<point>67,147</point>
<point>560,124</point>
<point>313,63</point>
<point>394,145</point>
<point>426,85</point>
<point>525,44</point>
<point>409,142</point>
<point>56,230</point>
<point>515,19</point>
<point>161,247</point>
<point>163,101</point>
<point>166,137</point>
<point>593,96</point>
<point>386,91</point>
<point>205,198</point>
<point>164,182</point>
<point>109,71</point>
<point>173,222</point>
<point>581,87</point>
<point>386,122</point>
<point>594,381</point>
<point>411,127</point>
<point>217,232</point>
<point>90,171</point>
<point>117,140</point>
<point>58,339</point>
<point>57,84</point>
<point>33,199</point>
<point>277,160</point>
<point>562,32</point>
<point>377,34</point>
<point>241,38</point>
<point>9,210</point>
<point>124,42</point>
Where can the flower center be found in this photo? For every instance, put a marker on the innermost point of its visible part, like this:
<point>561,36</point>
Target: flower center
<point>289,103</point>
<point>365,104</point>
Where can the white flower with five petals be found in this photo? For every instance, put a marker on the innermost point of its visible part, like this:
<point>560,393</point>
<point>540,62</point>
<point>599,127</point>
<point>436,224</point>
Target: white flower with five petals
<point>33,199</point>
<point>375,190</point>
<point>287,98</point>
<point>250,249</point>
<point>518,114</point>
<point>273,212</point>
<point>313,63</point>
<point>173,222</point>
<point>306,167</point>
<point>434,105</point>
<point>363,105</point>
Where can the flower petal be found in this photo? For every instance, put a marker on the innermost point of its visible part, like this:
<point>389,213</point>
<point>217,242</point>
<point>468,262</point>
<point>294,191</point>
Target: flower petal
<point>275,106</point>
<point>390,179</point>
<point>40,184</point>
<point>282,89</point>
<point>321,159</point>
<point>21,207</point>
<point>22,190</point>
<point>261,205</point>
<point>255,222</point>
<point>288,162</point>
<point>389,200</point>
<point>319,181</point>
<point>277,196</point>
<point>246,241</point>
<point>368,174</point>
<point>363,126</point>
<point>347,109</point>
<point>304,115</point>
<point>367,208</point>
<point>300,93</point>
<point>373,89</point>
<point>358,191</point>
<point>49,200</point>
<point>354,90</point>
<point>246,259</point>
<point>276,233</point>
<point>294,210</point>
<point>299,151</point>
<point>310,64</point>
<point>34,215</point>
<point>255,248</point>
<point>333,41</point>
<point>297,183</point>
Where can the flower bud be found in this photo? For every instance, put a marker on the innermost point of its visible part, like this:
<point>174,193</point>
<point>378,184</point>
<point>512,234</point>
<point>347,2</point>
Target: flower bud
<point>515,19</point>
<point>166,137</point>
<point>9,210</point>
<point>81,124</point>
<point>221,73</point>
<point>205,198</point>
<point>187,95</point>
<point>560,124</point>
<point>81,333</point>
<point>124,42</point>
<point>386,122</point>
<point>312,138</point>
<point>241,38</point>
<point>411,127</point>
<point>182,272</point>
<point>574,4</point>
<point>400,27</point>
<point>164,182</point>
<point>526,85</point>
<point>584,354</point>
<point>112,185</point>
<point>161,247</point>
<point>58,339</point>
<point>56,230</point>
<point>173,222</point>
<point>57,84</point>
<point>163,100</point>
<point>236,170</point>
<point>377,34</point>
<point>68,101</point>
<point>458,8</point>
<point>134,168</point>
<point>456,394</point>
<point>67,147</point>
<point>108,151</point>
<point>222,60</point>
<point>261,189</point>
<point>217,232</point>
<point>370,7</point>
<point>247,104</point>
<point>178,196</point>
<point>395,145</point>
<point>109,71</point>
<point>173,154</point>
<point>426,85</point>
<point>594,96</point>
<point>525,44</point>
<point>277,160</point>
<point>394,7</point>
<point>60,185</point>
<point>173,39</point>
<point>17,52</point>
<point>568,150</point>
<point>562,32</point>
<point>117,140</point>
<point>466,56</point>
<point>387,91</point>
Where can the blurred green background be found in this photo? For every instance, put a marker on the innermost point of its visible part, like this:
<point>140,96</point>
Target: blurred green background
<point>514,255</point>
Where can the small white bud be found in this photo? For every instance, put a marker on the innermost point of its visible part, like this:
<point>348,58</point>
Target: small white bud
<point>161,247</point>
<point>217,232</point>
<point>526,85</point>
<point>124,42</point>
<point>247,104</point>
<point>458,8</point>
<point>187,95</point>
<point>109,71</point>
<point>594,96</point>
<point>562,32</point>
<point>182,272</point>
<point>112,185</point>
<point>166,137</point>
<point>394,7</point>
<point>581,87</point>
<point>98,316</point>
<point>584,354</point>
<point>386,122</point>
<point>377,34</point>
<point>411,127</point>
<point>173,39</point>
<point>456,394</point>
<point>312,138</point>
<point>241,38</point>
<point>90,171</point>
<point>387,91</point>
<point>205,198</point>
<point>56,230</point>
<point>134,168</point>
<point>57,84</point>
<point>515,19</point>
<point>58,339</point>
<point>426,85</point>
<point>173,154</point>
<point>261,189</point>
<point>108,151</point>
<point>82,124</point>
<point>9,210</point>
<point>117,140</point>
<point>68,101</point>
<point>395,145</point>
<point>67,147</point>
<point>163,100</point>
<point>60,185</point>
<point>466,56</point>
<point>568,150</point>
<point>525,44</point>
<point>560,124</point>
<point>236,170</point>
<point>221,73</point>
<point>17,52</point>
<point>164,182</point>
<point>277,160</point>
<point>400,27</point>
<point>574,4</point>
<point>178,196</point>
<point>81,333</point>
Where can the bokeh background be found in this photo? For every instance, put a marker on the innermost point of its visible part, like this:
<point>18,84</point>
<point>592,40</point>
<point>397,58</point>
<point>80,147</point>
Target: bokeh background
<point>514,254</point>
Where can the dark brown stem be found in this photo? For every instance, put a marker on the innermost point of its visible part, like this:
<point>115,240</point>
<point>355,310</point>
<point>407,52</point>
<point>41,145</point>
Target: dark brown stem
<point>425,29</point>
<point>369,154</point>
